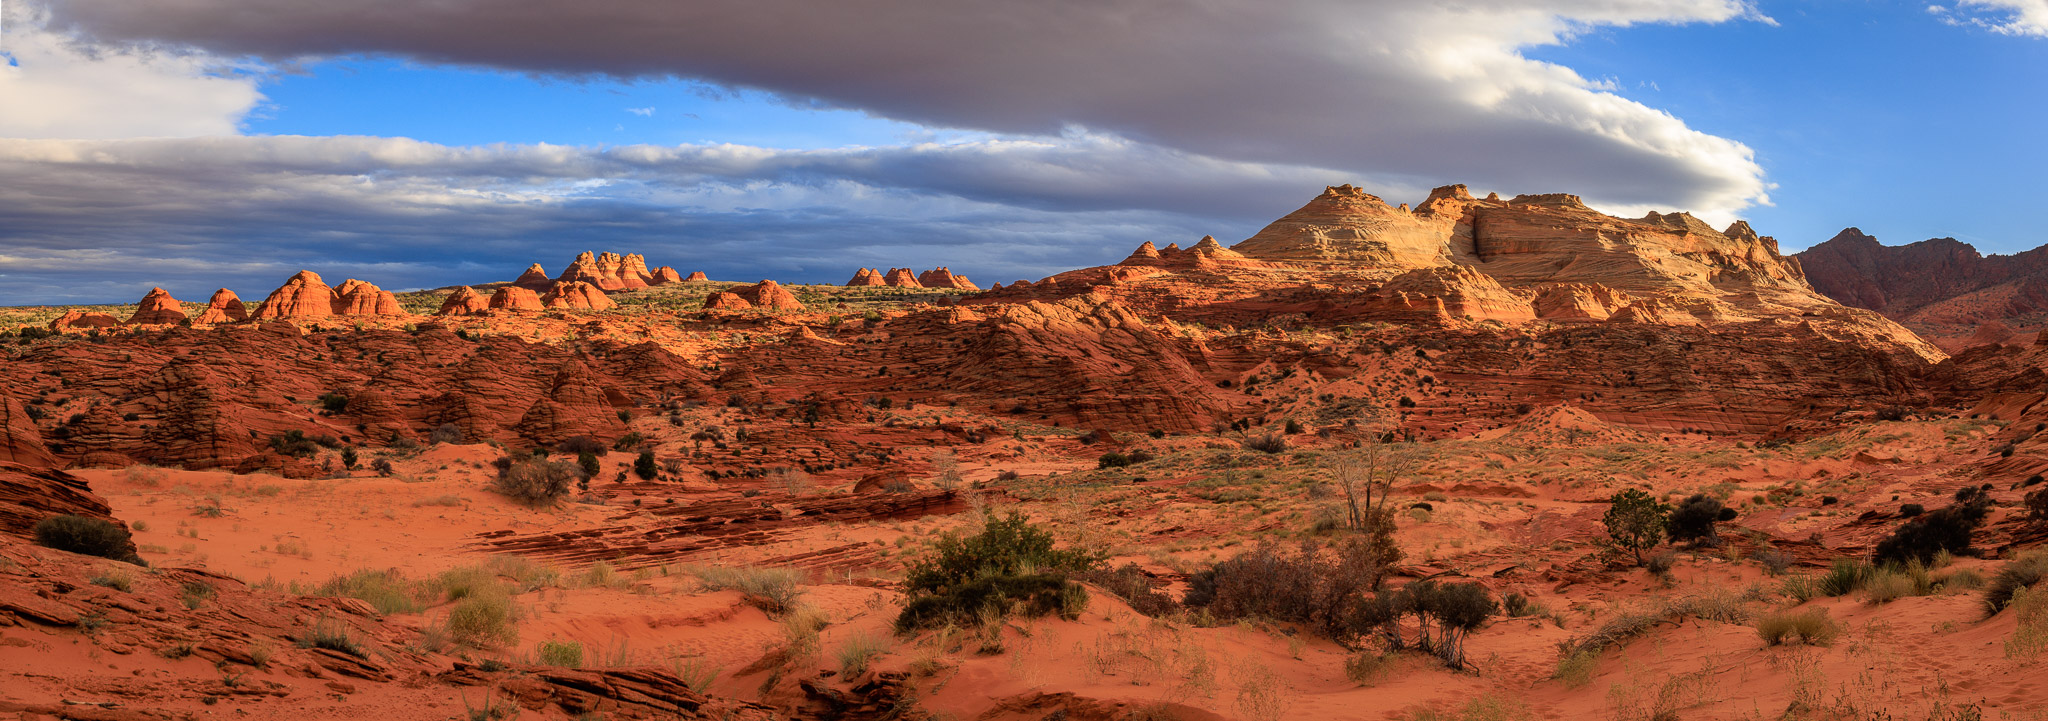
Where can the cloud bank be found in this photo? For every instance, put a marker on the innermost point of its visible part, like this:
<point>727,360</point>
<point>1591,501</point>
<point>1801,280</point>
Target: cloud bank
<point>1113,121</point>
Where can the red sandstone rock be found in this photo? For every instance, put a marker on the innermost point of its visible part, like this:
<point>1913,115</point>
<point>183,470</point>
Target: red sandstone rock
<point>665,275</point>
<point>535,279</point>
<point>20,440</point>
<point>223,307</point>
<point>696,277</point>
<point>512,297</point>
<point>157,308</point>
<point>576,404</point>
<point>576,295</point>
<point>900,277</point>
<point>941,277</point>
<point>464,301</point>
<point>78,319</point>
<point>29,495</point>
<point>767,294</point>
<point>303,296</point>
<point>866,277</point>
<point>726,301</point>
<point>355,297</point>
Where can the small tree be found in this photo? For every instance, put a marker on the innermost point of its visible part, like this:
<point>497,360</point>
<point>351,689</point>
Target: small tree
<point>349,458</point>
<point>1948,528</point>
<point>945,470</point>
<point>589,463</point>
<point>1635,522</point>
<point>644,467</point>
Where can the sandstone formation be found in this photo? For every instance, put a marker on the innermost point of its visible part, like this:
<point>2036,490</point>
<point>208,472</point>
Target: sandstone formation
<point>1942,288</point>
<point>304,295</point>
<point>575,405</point>
<point>866,277</point>
<point>696,277</point>
<point>767,294</point>
<point>900,278</point>
<point>665,275</point>
<point>535,279</point>
<point>355,297</point>
<point>21,441</point>
<point>941,277</point>
<point>223,307</point>
<point>29,495</point>
<point>724,300</point>
<point>79,320</point>
<point>157,308</point>
<point>464,301</point>
<point>513,297</point>
<point>608,271</point>
<point>576,295</point>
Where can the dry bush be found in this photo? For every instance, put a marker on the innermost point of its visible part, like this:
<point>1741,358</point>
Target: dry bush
<point>774,590</point>
<point>1811,627</point>
<point>536,481</point>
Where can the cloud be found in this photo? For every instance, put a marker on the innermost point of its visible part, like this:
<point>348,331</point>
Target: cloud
<point>104,220</point>
<point>2027,18</point>
<point>642,112</point>
<point>53,86</point>
<point>1428,91</point>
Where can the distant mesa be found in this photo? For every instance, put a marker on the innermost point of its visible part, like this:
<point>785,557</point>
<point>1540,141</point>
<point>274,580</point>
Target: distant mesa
<point>223,307</point>
<point>158,308</point>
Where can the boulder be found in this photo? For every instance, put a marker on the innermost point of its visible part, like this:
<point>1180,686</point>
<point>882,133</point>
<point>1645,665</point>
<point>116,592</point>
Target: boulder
<point>21,441</point>
<point>767,294</point>
<point>223,307</point>
<point>158,308</point>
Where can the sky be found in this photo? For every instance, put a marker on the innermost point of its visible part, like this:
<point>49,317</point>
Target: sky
<point>197,144</point>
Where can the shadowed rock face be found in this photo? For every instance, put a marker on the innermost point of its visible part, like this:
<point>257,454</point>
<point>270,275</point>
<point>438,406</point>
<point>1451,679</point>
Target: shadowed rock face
<point>1942,288</point>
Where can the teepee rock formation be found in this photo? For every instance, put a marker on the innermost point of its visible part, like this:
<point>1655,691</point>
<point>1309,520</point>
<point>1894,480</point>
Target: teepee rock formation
<point>223,307</point>
<point>303,296</point>
<point>535,279</point>
<point>512,297</point>
<point>464,301</point>
<point>356,297</point>
<point>157,308</point>
<point>576,295</point>
<point>866,277</point>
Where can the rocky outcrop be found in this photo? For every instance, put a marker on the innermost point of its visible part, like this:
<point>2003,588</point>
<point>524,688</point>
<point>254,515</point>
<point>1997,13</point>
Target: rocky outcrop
<point>1567,302</point>
<point>1942,288</point>
<point>575,405</point>
<point>576,295</point>
<point>512,297</point>
<point>20,440</point>
<point>696,277</point>
<point>355,298</point>
<point>941,277</point>
<point>197,426</point>
<point>535,279</point>
<point>158,308</point>
<point>900,278</point>
<point>223,307</point>
<point>767,294</point>
<point>607,271</point>
<point>726,301</point>
<point>464,301</point>
<point>1348,225</point>
<point>80,320</point>
<point>28,495</point>
<point>866,277</point>
<point>664,275</point>
<point>304,296</point>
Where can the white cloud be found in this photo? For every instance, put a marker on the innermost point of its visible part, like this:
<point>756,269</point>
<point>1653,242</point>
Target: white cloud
<point>52,86</point>
<point>2026,18</point>
<point>642,112</point>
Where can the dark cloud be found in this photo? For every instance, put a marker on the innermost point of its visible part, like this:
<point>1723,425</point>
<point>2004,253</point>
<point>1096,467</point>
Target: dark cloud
<point>1432,91</point>
<point>103,220</point>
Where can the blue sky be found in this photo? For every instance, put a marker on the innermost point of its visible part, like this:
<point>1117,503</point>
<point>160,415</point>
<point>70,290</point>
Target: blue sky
<point>418,145</point>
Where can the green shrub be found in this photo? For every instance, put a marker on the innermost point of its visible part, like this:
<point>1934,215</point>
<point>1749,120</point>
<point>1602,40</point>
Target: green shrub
<point>644,467</point>
<point>1694,518</point>
<point>333,402</point>
<point>566,654</point>
<point>588,462</point>
<point>1811,627</point>
<point>1112,459</point>
<point>386,590</point>
<point>1844,577</point>
<point>331,635</point>
<point>1008,565</point>
<point>294,444</point>
<point>88,536</point>
<point>484,619</point>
